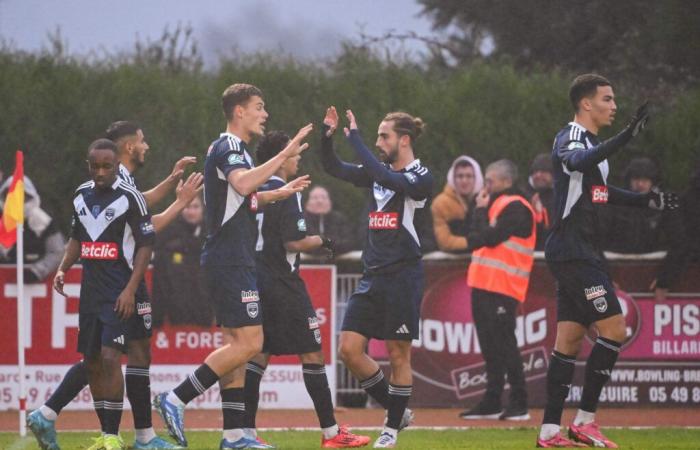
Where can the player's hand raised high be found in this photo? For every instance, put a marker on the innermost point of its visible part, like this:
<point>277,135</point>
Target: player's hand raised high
<point>640,119</point>
<point>331,120</point>
<point>180,166</point>
<point>294,186</point>
<point>188,190</point>
<point>351,120</point>
<point>295,147</point>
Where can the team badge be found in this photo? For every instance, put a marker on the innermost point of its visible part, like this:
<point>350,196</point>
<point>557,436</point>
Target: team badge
<point>252,309</point>
<point>301,225</point>
<point>109,213</point>
<point>147,321</point>
<point>96,210</point>
<point>317,335</point>
<point>601,305</point>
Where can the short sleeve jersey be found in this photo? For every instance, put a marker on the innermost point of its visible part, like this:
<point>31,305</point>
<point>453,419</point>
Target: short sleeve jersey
<point>279,222</point>
<point>392,236</point>
<point>229,216</point>
<point>578,197</point>
<point>110,224</point>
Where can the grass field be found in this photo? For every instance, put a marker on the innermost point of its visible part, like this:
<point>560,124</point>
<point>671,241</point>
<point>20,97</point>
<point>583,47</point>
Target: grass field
<point>481,439</point>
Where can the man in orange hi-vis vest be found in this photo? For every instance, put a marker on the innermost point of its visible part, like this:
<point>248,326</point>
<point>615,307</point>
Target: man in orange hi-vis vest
<point>502,242</point>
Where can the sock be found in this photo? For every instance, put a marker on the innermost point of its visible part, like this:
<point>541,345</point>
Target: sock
<point>330,432</point>
<point>316,383</point>
<point>559,376</point>
<point>112,416</point>
<point>145,435</point>
<point>584,417</point>
<point>392,431</point>
<point>399,396</point>
<point>73,382</point>
<point>253,375</point>
<point>138,391</point>
<point>233,435</point>
<point>48,413</point>
<point>233,407</point>
<point>196,383</point>
<point>598,367</point>
<point>377,387</point>
<point>99,410</point>
<point>549,430</point>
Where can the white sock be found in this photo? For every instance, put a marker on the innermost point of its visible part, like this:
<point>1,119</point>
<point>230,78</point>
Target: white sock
<point>250,432</point>
<point>549,430</point>
<point>584,417</point>
<point>144,435</point>
<point>330,432</point>
<point>48,413</point>
<point>174,399</point>
<point>234,435</point>
<point>390,431</point>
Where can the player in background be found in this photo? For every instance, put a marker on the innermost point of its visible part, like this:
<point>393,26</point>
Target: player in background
<point>290,325</point>
<point>228,258</point>
<point>113,235</point>
<point>585,294</point>
<point>131,150</point>
<point>386,303</point>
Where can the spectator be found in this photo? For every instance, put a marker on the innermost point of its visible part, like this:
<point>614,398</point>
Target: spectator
<point>43,241</point>
<point>540,192</point>
<point>451,206</point>
<point>323,220</point>
<point>179,290</point>
<point>645,230</point>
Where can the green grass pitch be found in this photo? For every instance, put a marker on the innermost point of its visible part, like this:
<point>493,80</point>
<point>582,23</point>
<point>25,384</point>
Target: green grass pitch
<point>477,439</point>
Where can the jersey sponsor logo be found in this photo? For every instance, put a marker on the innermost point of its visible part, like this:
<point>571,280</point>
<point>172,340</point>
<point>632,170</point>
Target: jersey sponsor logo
<point>575,144</point>
<point>379,220</point>
<point>594,292</point>
<point>412,178</point>
<point>317,335</point>
<point>601,305</point>
<point>599,194</point>
<point>99,250</point>
<point>254,202</point>
<point>313,323</point>
<point>109,214</point>
<point>147,227</point>
<point>252,309</point>
<point>249,296</point>
<point>234,159</point>
<point>301,225</point>
<point>143,308</point>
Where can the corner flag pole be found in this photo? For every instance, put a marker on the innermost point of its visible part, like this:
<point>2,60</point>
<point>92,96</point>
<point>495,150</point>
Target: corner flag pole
<point>22,394</point>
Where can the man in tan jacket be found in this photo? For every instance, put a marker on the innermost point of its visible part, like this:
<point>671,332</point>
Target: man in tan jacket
<point>450,207</point>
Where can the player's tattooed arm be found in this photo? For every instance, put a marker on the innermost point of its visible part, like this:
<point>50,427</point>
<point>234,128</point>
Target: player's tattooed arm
<point>70,257</point>
<point>157,193</point>
<point>125,304</point>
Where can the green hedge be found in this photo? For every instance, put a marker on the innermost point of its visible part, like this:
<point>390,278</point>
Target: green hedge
<point>53,107</point>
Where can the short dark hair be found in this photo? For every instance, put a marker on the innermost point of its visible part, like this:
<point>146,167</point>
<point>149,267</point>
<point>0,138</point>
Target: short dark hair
<point>102,144</point>
<point>120,129</point>
<point>585,85</point>
<point>463,163</point>
<point>405,124</point>
<point>237,94</point>
<point>270,145</point>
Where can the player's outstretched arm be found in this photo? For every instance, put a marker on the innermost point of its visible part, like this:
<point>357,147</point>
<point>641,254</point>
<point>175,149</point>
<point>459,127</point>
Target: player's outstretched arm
<point>396,181</point>
<point>309,244</point>
<point>185,193</point>
<point>578,158</point>
<point>70,257</point>
<point>125,304</point>
<point>289,189</point>
<point>157,193</point>
<point>246,181</point>
<point>329,159</point>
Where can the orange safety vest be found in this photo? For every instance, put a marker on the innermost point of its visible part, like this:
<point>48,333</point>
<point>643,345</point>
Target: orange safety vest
<point>505,268</point>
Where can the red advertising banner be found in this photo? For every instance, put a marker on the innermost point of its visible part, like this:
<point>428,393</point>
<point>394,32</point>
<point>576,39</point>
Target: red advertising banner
<point>52,328</point>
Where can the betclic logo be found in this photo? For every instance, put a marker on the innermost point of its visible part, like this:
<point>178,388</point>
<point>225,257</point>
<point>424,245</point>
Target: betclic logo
<point>379,220</point>
<point>99,250</point>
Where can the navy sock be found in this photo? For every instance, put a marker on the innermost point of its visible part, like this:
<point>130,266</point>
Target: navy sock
<point>112,416</point>
<point>559,376</point>
<point>138,391</point>
<point>598,367</point>
<point>196,383</point>
<point>316,383</point>
<point>377,387</point>
<point>99,410</point>
<point>233,407</point>
<point>73,382</point>
<point>253,375</point>
<point>399,396</point>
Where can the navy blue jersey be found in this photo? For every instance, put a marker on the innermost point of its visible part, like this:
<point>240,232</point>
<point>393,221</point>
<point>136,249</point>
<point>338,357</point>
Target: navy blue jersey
<point>229,216</point>
<point>125,175</point>
<point>397,196</point>
<point>279,222</point>
<point>110,225</point>
<point>580,188</point>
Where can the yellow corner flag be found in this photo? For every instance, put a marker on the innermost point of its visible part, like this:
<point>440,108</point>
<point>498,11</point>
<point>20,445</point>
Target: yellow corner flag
<point>13,211</point>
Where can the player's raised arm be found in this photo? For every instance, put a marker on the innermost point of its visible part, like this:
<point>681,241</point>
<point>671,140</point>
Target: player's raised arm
<point>185,192</point>
<point>331,163</point>
<point>158,192</point>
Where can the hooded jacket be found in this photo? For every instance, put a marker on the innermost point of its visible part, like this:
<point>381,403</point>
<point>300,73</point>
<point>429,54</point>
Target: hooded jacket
<point>449,210</point>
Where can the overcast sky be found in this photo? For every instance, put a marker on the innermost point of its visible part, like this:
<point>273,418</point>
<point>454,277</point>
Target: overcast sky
<point>304,28</point>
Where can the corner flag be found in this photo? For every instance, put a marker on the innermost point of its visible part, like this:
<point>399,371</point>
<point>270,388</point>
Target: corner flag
<point>13,211</point>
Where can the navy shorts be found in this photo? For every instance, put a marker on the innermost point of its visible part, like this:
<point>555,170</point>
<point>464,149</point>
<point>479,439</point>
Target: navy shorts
<point>290,324</point>
<point>105,329</point>
<point>585,293</point>
<point>387,306</point>
<point>234,294</point>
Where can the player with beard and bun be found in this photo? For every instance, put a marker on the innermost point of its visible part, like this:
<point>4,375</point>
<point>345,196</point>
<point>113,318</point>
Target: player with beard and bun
<point>386,304</point>
<point>228,258</point>
<point>290,324</point>
<point>585,293</point>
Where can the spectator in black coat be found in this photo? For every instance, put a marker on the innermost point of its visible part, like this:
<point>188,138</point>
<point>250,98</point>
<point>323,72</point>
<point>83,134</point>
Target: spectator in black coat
<point>540,192</point>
